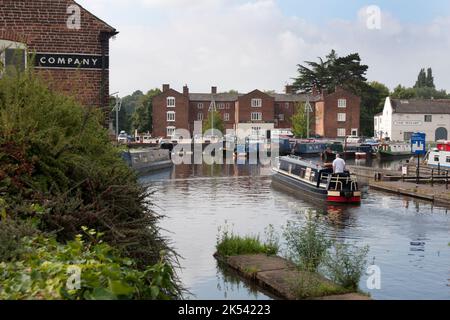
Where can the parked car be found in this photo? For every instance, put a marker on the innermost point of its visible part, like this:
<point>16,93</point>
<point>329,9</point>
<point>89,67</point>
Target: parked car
<point>122,138</point>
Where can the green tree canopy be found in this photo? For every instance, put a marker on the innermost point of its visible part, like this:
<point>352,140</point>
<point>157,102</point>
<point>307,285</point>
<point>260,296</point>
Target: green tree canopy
<point>142,119</point>
<point>300,122</point>
<point>333,71</point>
<point>372,102</point>
<point>214,121</point>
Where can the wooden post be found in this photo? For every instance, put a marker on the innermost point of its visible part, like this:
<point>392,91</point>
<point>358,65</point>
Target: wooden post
<point>446,179</point>
<point>432,177</point>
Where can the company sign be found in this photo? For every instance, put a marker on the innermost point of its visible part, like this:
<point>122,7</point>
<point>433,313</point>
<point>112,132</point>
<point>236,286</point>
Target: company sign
<point>70,61</point>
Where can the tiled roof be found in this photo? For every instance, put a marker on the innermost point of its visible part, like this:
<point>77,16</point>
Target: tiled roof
<point>421,106</point>
<point>220,97</point>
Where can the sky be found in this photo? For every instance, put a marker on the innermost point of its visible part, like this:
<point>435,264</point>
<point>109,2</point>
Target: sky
<point>249,44</point>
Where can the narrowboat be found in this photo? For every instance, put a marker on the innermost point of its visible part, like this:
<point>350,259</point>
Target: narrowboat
<point>440,156</point>
<point>395,149</point>
<point>306,148</point>
<point>316,181</point>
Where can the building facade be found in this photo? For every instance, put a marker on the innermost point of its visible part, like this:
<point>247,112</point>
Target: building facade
<point>256,113</point>
<point>401,118</point>
<point>68,46</point>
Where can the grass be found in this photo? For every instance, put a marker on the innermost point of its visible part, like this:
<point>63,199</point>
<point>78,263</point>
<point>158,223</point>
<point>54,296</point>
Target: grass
<point>232,245</point>
<point>313,285</point>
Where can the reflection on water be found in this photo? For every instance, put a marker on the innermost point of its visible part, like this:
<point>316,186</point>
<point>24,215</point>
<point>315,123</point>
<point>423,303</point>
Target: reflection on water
<point>408,239</point>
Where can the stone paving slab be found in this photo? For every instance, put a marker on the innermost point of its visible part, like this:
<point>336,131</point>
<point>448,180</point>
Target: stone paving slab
<point>258,263</point>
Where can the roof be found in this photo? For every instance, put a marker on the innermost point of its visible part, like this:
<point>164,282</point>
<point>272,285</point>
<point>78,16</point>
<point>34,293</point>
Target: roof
<point>421,106</point>
<point>281,97</point>
<point>226,97</point>
<point>221,97</point>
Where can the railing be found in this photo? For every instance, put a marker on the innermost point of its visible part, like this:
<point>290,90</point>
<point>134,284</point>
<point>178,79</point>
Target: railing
<point>339,181</point>
<point>436,175</point>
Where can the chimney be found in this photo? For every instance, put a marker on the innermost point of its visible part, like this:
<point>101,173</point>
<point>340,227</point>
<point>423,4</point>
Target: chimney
<point>289,89</point>
<point>186,91</point>
<point>166,87</point>
<point>214,90</point>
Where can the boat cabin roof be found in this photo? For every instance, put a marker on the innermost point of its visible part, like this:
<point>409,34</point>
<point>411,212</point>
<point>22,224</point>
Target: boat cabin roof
<point>302,162</point>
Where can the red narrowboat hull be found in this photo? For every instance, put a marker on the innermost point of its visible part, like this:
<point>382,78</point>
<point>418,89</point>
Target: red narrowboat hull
<point>344,199</point>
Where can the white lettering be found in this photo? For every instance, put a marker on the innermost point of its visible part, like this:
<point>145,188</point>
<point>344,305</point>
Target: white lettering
<point>94,61</point>
<point>373,18</point>
<point>374,280</point>
<point>74,280</point>
<point>61,61</point>
<point>51,60</point>
<point>43,60</point>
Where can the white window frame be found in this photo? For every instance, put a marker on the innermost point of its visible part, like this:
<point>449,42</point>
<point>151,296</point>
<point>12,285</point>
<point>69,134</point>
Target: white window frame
<point>227,106</point>
<point>287,105</point>
<point>281,116</point>
<point>425,118</point>
<point>6,44</point>
<point>221,105</point>
<point>256,103</point>
<point>169,102</point>
<point>171,116</point>
<point>226,117</point>
<point>200,117</point>
<point>341,133</point>
<point>199,105</point>
<point>256,131</point>
<point>355,130</point>
<point>341,117</point>
<point>171,129</point>
<point>342,103</point>
<point>256,116</point>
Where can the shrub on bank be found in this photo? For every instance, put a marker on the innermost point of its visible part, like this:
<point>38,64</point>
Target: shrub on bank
<point>41,271</point>
<point>229,244</point>
<point>59,172</point>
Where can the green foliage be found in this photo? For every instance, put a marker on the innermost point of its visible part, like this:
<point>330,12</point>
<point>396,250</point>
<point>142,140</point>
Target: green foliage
<point>142,115</point>
<point>307,244</point>
<point>345,265</point>
<point>401,92</point>
<point>11,234</point>
<point>425,79</point>
<point>300,121</point>
<point>41,272</point>
<point>214,121</point>
<point>312,285</point>
<point>331,72</point>
<point>372,103</point>
<point>59,169</point>
<point>229,244</point>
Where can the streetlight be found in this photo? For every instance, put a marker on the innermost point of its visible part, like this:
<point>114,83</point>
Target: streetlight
<point>308,109</point>
<point>117,107</point>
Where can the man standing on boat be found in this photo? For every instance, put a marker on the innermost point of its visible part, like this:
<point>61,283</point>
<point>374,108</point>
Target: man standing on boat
<point>339,165</point>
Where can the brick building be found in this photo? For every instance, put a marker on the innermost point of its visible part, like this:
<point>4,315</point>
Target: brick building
<point>334,115</point>
<point>69,46</point>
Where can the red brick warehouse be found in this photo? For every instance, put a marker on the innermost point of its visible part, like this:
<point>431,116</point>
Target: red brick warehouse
<point>335,115</point>
<point>70,46</point>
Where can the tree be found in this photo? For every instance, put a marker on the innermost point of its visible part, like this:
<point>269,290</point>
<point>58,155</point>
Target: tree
<point>430,79</point>
<point>300,121</point>
<point>333,71</point>
<point>214,121</point>
<point>401,92</point>
<point>372,102</point>
<point>421,79</point>
<point>142,120</point>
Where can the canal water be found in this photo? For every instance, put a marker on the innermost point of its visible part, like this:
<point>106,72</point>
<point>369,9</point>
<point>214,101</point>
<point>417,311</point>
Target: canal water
<point>409,239</point>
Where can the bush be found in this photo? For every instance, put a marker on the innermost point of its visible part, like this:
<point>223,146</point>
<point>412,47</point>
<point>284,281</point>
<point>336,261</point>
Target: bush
<point>56,155</point>
<point>11,234</point>
<point>312,285</point>
<point>306,244</point>
<point>345,265</point>
<point>42,272</point>
<point>229,244</point>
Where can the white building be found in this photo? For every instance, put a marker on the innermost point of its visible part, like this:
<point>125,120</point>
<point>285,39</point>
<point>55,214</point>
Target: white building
<point>401,118</point>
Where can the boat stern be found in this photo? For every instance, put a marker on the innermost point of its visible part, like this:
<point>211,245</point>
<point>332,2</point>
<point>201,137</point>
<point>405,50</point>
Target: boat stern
<point>344,197</point>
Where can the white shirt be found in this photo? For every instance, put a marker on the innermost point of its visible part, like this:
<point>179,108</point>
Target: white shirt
<point>339,165</point>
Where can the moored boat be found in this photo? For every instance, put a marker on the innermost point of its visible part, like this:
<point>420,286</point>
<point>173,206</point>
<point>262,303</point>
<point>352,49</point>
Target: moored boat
<point>317,181</point>
<point>440,156</point>
<point>395,149</point>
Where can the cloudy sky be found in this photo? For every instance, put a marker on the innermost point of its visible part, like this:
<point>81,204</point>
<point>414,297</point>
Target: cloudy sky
<point>248,44</point>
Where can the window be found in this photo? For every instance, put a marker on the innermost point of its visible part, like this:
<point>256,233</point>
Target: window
<point>226,117</point>
<point>447,160</point>
<point>256,103</point>
<point>170,131</point>
<point>227,106</point>
<point>221,105</point>
<point>342,103</point>
<point>256,116</point>
<point>256,131</point>
<point>342,117</point>
<point>354,132</point>
<point>200,117</point>
<point>171,116</point>
<point>428,118</point>
<point>436,158</point>
<point>281,117</point>
<point>287,105</point>
<point>341,132</point>
<point>13,56</point>
<point>200,106</point>
<point>171,102</point>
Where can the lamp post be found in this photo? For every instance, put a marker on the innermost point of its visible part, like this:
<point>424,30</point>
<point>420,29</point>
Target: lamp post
<point>117,107</point>
<point>308,109</point>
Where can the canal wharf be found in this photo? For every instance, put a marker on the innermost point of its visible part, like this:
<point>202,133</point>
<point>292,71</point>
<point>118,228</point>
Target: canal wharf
<point>279,276</point>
